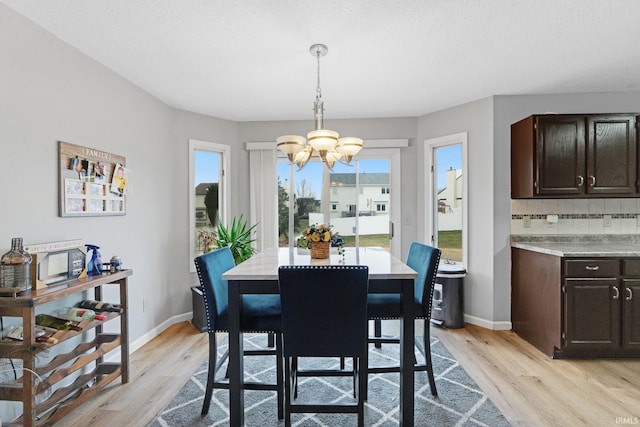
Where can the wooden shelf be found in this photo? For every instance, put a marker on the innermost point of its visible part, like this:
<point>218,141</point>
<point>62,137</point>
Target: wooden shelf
<point>41,405</point>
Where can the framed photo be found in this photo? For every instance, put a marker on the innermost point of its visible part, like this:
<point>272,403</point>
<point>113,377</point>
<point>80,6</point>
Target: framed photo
<point>92,182</point>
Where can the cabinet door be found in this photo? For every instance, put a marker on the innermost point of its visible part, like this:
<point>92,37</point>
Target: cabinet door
<point>611,154</point>
<point>592,313</point>
<point>560,155</point>
<point>631,310</point>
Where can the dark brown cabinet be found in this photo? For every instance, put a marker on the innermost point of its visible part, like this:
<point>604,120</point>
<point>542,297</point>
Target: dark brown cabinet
<point>574,155</point>
<point>575,307</point>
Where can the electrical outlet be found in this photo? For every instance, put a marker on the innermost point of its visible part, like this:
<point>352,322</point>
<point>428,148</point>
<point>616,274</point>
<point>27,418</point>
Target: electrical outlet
<point>606,220</point>
<point>145,304</point>
<point>526,221</point>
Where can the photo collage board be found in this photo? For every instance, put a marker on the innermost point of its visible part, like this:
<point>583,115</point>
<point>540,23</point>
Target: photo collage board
<point>92,182</point>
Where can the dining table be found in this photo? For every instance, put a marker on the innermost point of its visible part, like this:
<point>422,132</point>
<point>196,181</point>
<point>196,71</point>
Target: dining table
<point>259,275</point>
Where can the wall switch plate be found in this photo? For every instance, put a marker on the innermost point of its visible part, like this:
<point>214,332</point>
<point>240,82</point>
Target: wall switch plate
<point>526,221</point>
<point>606,220</point>
<point>145,304</point>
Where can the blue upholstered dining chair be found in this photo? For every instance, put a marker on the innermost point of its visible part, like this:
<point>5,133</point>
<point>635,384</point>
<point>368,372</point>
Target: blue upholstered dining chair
<point>260,313</point>
<point>424,260</point>
<point>324,314</point>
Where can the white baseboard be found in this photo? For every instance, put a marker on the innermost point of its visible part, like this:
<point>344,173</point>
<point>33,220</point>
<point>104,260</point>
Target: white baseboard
<point>158,330</point>
<point>115,357</point>
<point>488,324</point>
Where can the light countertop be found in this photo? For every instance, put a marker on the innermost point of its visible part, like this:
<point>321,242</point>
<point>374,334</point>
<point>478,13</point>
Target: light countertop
<point>580,245</point>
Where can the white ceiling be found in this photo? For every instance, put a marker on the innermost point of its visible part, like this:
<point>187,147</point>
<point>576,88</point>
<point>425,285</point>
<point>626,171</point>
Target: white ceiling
<point>248,60</point>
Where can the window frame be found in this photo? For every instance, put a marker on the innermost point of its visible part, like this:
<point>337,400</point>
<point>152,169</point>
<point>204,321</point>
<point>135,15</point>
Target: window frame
<point>431,208</point>
<point>224,152</point>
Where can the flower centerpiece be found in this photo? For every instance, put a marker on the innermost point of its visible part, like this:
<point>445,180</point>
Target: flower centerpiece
<point>319,238</point>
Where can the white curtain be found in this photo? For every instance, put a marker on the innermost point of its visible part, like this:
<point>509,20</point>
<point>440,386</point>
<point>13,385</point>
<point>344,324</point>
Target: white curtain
<point>264,197</point>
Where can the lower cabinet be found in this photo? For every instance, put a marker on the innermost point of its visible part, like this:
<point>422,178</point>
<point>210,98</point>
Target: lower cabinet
<point>577,307</point>
<point>631,323</point>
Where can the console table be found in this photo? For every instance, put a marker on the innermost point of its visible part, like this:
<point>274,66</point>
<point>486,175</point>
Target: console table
<point>63,399</point>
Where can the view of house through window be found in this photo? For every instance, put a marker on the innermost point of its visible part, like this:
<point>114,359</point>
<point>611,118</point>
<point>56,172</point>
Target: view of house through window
<point>207,198</point>
<point>360,214</point>
<point>448,181</point>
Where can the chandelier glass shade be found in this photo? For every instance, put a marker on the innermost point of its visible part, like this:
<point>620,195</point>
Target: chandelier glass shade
<point>327,143</point>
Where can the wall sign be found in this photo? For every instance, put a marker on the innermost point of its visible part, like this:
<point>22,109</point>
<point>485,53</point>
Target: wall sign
<point>92,182</point>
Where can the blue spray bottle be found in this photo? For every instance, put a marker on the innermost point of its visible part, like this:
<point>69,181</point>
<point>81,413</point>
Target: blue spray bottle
<point>94,266</point>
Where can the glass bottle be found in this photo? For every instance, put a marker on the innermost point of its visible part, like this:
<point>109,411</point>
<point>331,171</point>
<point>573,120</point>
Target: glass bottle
<point>15,267</point>
<point>56,323</point>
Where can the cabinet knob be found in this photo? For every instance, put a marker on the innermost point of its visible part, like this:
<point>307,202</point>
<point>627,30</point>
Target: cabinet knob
<point>580,180</point>
<point>592,181</point>
<point>630,296</point>
<point>616,291</point>
<point>592,267</point>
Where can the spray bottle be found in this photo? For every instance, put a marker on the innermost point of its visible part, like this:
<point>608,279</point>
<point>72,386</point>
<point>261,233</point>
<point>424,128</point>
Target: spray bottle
<point>94,267</point>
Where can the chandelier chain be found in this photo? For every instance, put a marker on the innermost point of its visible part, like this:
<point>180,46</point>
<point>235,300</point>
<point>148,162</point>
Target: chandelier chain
<point>318,90</point>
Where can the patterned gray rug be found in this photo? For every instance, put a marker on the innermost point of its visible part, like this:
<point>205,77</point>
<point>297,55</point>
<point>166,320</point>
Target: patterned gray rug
<point>460,401</point>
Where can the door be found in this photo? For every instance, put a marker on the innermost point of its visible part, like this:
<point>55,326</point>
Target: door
<point>361,201</point>
<point>560,155</point>
<point>446,205</point>
<point>592,313</point>
<point>631,308</point>
<point>611,154</point>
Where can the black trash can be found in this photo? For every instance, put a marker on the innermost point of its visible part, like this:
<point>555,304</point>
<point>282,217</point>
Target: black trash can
<point>448,302</point>
<point>199,319</point>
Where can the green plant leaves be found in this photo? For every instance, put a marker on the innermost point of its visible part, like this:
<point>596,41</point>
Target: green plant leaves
<point>238,238</point>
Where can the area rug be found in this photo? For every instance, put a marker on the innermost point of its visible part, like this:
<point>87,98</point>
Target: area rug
<point>460,402</point>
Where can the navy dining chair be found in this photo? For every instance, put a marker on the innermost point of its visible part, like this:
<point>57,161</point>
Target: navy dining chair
<point>260,313</point>
<point>324,314</point>
<point>424,260</point>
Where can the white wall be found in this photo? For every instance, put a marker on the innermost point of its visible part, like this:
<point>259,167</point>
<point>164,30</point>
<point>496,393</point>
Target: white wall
<point>476,118</point>
<point>50,92</point>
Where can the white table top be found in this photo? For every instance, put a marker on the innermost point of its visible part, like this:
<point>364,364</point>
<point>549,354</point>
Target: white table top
<point>264,265</point>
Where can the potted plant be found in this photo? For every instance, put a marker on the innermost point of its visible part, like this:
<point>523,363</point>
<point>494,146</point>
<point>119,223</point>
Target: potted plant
<point>238,238</point>
<point>318,238</point>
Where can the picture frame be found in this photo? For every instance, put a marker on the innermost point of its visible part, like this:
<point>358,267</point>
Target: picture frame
<point>87,177</point>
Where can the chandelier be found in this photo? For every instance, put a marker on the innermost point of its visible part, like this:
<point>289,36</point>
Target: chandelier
<point>330,148</point>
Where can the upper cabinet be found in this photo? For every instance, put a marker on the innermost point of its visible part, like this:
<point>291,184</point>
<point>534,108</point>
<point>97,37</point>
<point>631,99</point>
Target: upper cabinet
<point>574,155</point>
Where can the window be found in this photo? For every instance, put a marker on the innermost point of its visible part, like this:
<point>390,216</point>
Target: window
<point>385,190</point>
<point>207,190</point>
<point>345,197</point>
<point>381,207</point>
<point>447,205</point>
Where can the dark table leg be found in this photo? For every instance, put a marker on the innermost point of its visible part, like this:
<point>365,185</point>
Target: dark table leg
<point>407,332</point>
<point>124,330</point>
<point>236,389</point>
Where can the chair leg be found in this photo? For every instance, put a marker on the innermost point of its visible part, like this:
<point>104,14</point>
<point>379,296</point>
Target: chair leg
<point>355,377</point>
<point>287,391</point>
<point>377,331</point>
<point>280,376</point>
<point>361,372</point>
<point>211,375</point>
<point>427,357</point>
<point>294,376</point>
<point>270,339</point>
<point>364,369</point>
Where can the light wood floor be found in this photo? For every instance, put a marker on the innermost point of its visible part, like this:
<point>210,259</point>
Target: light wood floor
<point>529,388</point>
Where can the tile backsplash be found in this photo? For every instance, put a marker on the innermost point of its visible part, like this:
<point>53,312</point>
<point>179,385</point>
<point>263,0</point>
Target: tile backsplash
<point>575,216</point>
